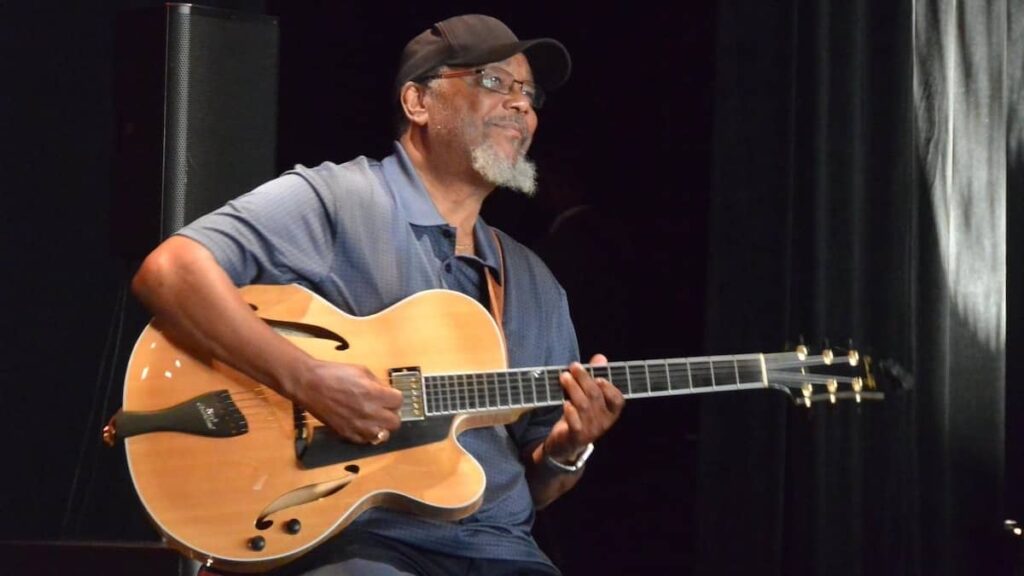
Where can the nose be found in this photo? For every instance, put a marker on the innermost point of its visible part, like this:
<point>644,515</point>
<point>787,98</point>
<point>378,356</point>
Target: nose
<point>519,103</point>
<point>517,100</point>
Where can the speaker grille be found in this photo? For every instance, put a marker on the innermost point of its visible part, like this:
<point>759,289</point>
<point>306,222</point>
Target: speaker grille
<point>220,122</point>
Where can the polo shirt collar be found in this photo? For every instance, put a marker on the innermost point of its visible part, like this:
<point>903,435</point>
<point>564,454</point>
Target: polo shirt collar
<point>415,205</point>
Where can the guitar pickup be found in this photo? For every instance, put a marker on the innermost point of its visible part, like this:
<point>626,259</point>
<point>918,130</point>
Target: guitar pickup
<point>212,414</point>
<point>409,381</point>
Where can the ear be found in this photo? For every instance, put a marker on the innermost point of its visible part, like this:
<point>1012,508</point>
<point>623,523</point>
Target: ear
<point>413,98</point>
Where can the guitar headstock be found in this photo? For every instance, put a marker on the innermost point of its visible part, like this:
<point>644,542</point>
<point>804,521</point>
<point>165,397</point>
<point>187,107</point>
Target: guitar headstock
<point>832,375</point>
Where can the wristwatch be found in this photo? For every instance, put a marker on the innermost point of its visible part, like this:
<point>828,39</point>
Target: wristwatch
<point>575,466</point>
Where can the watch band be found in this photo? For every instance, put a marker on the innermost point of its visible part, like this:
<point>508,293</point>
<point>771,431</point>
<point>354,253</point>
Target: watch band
<point>575,466</point>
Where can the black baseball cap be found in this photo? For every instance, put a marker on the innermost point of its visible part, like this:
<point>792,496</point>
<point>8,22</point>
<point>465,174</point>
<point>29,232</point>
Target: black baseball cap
<point>474,39</point>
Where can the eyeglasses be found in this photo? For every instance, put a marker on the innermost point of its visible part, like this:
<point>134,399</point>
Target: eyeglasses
<point>497,80</point>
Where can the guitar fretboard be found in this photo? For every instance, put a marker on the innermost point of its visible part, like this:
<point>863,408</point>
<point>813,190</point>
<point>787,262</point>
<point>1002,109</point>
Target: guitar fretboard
<point>534,387</point>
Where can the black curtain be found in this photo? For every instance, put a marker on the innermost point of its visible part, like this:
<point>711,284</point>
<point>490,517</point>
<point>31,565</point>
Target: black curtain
<point>859,192</point>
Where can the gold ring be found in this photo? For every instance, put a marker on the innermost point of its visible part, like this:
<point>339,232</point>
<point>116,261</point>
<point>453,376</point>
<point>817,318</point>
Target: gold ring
<point>382,435</point>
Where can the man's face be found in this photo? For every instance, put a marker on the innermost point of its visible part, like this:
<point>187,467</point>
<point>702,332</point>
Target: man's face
<point>494,130</point>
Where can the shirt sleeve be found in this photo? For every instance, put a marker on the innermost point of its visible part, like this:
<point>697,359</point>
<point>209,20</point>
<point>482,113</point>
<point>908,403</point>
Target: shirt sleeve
<point>279,233</point>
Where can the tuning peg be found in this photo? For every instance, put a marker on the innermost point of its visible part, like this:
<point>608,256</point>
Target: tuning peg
<point>807,391</point>
<point>801,349</point>
<point>833,386</point>
<point>853,357</point>
<point>857,385</point>
<point>827,356</point>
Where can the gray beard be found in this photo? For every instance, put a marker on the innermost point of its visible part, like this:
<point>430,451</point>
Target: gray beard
<point>520,174</point>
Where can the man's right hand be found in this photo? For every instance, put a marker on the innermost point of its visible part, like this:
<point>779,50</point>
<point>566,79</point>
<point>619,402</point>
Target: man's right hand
<point>349,399</point>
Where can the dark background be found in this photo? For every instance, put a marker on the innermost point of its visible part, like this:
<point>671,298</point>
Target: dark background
<point>628,138</point>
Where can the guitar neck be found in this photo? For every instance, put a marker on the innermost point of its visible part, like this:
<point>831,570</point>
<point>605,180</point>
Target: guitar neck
<point>534,387</point>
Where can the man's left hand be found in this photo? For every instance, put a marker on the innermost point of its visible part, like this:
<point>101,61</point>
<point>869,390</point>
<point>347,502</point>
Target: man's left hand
<point>592,405</point>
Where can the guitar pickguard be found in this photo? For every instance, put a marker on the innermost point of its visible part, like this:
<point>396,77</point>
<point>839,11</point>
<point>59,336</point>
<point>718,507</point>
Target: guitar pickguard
<point>327,448</point>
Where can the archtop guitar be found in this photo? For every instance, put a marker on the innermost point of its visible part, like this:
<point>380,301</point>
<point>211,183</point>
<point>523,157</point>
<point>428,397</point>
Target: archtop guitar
<point>238,477</point>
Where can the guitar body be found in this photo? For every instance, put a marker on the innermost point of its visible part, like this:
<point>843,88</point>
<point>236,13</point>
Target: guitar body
<point>230,501</point>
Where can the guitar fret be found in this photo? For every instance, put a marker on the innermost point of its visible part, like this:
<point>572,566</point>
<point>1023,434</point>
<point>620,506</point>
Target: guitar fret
<point>519,387</point>
<point>456,389</point>
<point>750,372</point>
<point>736,368</point>
<point>655,382</point>
<point>503,394</point>
<point>689,374</point>
<point>647,376</point>
<point>460,393</point>
<point>532,389</point>
<point>508,387</point>
<point>711,368</point>
<point>556,373</point>
<point>547,384</point>
<point>543,375</point>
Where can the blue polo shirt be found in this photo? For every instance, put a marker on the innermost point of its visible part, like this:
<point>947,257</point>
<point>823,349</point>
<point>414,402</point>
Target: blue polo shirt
<point>364,235</point>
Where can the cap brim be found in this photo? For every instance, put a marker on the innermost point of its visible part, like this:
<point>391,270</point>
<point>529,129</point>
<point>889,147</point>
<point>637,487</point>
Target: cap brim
<point>548,58</point>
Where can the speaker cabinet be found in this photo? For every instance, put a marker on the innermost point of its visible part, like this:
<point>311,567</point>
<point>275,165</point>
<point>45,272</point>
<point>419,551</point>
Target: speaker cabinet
<point>196,101</point>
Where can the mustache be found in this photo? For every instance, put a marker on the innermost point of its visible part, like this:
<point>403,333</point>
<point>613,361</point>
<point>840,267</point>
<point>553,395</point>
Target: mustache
<point>516,122</point>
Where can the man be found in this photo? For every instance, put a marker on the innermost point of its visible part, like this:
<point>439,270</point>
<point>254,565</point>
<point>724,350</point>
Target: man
<point>367,234</point>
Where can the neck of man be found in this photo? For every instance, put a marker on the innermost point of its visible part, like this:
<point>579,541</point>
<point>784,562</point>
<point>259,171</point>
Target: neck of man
<point>456,189</point>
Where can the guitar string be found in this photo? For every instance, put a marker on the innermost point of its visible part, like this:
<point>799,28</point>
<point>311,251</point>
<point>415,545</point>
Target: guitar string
<point>464,392</point>
<point>502,385</point>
